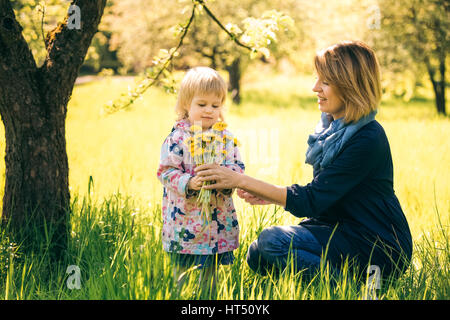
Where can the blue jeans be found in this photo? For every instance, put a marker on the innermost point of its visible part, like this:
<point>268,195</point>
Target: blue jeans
<point>275,244</point>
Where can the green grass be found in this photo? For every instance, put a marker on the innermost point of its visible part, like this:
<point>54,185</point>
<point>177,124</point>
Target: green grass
<point>116,221</point>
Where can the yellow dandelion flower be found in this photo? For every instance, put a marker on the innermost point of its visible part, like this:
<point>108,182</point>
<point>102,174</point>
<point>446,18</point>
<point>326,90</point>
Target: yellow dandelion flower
<point>208,137</point>
<point>219,126</point>
<point>217,137</point>
<point>192,146</point>
<point>189,141</point>
<point>226,138</point>
<point>198,146</point>
<point>195,128</point>
<point>198,138</point>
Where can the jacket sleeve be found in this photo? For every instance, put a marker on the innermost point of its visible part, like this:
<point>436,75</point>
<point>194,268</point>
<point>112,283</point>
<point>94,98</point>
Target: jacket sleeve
<point>171,171</point>
<point>353,164</point>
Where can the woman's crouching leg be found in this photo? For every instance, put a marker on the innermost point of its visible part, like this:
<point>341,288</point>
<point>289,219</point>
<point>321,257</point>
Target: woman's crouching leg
<point>254,259</point>
<point>277,246</point>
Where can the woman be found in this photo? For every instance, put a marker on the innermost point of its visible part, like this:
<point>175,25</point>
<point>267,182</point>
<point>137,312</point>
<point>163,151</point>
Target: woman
<point>351,208</point>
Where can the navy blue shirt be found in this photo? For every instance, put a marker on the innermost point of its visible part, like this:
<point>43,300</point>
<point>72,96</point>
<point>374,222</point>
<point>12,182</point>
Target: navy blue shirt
<point>351,206</point>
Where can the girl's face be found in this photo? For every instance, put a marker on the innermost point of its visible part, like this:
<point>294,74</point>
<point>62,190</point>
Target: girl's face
<point>205,108</point>
<point>328,99</point>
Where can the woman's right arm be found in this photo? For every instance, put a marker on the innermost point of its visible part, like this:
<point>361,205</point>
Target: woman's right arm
<point>250,198</point>
<point>226,178</point>
<point>263,190</point>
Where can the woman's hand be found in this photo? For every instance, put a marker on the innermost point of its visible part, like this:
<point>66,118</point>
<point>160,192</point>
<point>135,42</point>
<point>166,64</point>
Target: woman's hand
<point>248,197</point>
<point>228,179</point>
<point>224,178</point>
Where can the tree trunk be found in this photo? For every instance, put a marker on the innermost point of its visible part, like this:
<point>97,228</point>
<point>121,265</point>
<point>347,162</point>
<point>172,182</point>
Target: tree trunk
<point>439,92</point>
<point>234,74</point>
<point>33,107</point>
<point>36,199</point>
<point>438,86</point>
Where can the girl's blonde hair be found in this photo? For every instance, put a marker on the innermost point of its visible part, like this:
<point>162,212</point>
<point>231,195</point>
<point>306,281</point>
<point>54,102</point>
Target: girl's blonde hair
<point>199,81</point>
<point>352,68</point>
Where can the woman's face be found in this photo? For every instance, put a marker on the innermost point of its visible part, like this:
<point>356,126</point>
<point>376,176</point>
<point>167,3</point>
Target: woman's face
<point>328,99</point>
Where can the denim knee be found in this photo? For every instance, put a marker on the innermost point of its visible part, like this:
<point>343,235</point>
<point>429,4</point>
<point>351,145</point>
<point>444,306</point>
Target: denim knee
<point>270,243</point>
<point>253,256</point>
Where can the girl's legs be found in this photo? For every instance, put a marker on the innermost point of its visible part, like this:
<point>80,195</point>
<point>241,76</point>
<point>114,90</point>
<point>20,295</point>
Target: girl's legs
<point>208,278</point>
<point>207,270</point>
<point>180,276</point>
<point>275,244</point>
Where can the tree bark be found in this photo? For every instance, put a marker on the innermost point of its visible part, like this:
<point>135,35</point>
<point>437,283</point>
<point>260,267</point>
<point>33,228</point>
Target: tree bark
<point>234,74</point>
<point>33,107</point>
<point>438,86</point>
<point>440,94</point>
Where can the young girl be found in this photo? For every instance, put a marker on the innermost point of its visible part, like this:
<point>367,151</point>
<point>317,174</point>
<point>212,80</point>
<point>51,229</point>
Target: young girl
<point>200,101</point>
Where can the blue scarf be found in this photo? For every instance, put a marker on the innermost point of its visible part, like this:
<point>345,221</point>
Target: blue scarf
<point>329,137</point>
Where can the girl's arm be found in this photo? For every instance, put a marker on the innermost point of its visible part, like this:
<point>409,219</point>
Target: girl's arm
<point>171,172</point>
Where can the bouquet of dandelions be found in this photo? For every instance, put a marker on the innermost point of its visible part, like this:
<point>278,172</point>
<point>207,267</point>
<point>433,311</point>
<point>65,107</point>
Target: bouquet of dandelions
<point>208,147</point>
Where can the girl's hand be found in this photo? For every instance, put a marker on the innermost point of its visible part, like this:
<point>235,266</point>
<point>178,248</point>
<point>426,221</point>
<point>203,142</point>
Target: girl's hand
<point>248,197</point>
<point>224,178</point>
<point>195,183</point>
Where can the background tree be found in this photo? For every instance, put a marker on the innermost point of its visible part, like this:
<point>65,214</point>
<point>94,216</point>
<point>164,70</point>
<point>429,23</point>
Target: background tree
<point>211,46</point>
<point>140,28</point>
<point>413,39</point>
<point>37,18</point>
<point>138,35</point>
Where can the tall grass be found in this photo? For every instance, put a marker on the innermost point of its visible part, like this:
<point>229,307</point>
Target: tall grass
<point>117,245</point>
<point>116,200</point>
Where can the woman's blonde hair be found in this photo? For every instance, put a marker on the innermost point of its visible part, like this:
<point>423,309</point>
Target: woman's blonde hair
<point>352,68</point>
<point>199,81</point>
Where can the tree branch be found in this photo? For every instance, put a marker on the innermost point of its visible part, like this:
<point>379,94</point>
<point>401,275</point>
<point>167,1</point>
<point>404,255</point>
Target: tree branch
<point>12,43</point>
<point>16,60</point>
<point>150,81</point>
<point>221,26</point>
<point>66,50</point>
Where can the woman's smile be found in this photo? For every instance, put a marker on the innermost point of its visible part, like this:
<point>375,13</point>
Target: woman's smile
<point>321,100</point>
<point>328,98</point>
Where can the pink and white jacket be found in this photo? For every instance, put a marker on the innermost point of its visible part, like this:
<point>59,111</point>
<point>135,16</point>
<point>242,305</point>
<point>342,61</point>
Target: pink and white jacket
<point>183,229</point>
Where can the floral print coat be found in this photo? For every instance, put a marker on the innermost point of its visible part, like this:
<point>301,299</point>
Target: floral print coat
<point>183,229</point>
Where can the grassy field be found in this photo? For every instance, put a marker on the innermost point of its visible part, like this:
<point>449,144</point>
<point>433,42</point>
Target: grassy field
<point>116,219</point>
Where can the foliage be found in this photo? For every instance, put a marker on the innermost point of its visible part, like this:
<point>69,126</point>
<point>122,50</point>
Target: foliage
<point>256,36</point>
<point>38,17</point>
<point>8,252</point>
<point>412,41</point>
<point>140,34</point>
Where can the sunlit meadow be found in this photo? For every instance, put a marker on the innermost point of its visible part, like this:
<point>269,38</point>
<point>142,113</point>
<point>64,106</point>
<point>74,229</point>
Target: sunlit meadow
<point>116,219</point>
